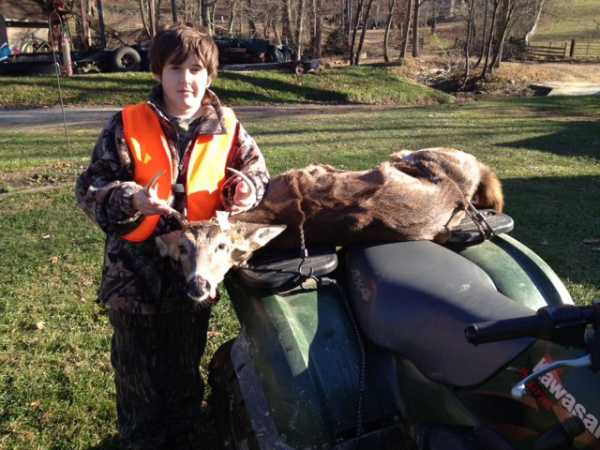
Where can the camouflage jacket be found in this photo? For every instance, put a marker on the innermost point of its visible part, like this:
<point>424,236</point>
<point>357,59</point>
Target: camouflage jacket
<point>135,278</point>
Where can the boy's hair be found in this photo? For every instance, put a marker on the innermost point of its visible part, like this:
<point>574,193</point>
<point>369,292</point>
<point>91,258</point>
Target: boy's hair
<point>174,44</point>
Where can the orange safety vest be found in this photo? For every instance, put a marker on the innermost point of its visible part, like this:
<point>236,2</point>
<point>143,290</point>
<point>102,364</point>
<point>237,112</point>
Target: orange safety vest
<point>150,152</point>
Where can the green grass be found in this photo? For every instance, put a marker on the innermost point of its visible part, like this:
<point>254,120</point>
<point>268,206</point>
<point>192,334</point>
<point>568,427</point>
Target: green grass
<point>367,85</point>
<point>574,19</point>
<point>56,388</point>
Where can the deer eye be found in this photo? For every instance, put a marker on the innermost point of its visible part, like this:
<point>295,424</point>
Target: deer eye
<point>183,249</point>
<point>221,246</point>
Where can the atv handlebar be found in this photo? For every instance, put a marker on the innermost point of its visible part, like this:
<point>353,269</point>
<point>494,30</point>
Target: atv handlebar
<point>501,330</point>
<point>554,323</point>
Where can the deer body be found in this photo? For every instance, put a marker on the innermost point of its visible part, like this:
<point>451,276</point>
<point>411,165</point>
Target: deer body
<point>414,195</point>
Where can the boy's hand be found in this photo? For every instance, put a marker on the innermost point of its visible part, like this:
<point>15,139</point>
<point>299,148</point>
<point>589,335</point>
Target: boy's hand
<point>147,202</point>
<point>243,198</point>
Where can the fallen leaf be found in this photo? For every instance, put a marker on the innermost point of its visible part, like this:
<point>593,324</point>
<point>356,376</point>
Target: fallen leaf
<point>54,260</point>
<point>46,236</point>
<point>40,325</point>
<point>35,405</point>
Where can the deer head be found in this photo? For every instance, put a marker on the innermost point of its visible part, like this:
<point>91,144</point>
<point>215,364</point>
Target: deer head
<point>205,251</point>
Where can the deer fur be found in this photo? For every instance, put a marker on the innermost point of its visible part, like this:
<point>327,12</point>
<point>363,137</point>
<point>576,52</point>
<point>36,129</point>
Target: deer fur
<point>412,196</point>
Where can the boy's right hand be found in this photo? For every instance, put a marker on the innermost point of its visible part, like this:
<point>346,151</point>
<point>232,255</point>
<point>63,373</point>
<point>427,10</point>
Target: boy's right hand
<point>150,205</point>
<point>147,202</point>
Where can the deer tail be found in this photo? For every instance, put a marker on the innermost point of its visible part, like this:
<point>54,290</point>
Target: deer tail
<point>489,192</point>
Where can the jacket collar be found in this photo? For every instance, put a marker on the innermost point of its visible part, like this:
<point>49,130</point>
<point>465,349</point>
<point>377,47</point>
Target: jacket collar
<point>207,121</point>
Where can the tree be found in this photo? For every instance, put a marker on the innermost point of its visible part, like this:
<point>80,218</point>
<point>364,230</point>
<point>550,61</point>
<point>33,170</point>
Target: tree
<point>148,12</point>
<point>388,27</point>
<point>415,28</point>
<point>408,6</point>
<point>536,21</point>
<point>365,16</point>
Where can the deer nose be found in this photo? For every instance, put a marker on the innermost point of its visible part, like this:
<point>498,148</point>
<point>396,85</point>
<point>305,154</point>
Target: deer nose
<point>198,288</point>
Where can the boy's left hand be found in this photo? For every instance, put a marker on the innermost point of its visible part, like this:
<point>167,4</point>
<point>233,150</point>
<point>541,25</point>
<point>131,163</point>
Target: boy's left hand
<point>243,198</point>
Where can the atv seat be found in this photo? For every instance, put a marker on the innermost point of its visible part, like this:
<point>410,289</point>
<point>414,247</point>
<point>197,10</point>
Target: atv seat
<point>416,298</point>
<point>277,270</point>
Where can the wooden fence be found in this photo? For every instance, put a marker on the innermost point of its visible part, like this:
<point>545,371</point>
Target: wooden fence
<point>572,49</point>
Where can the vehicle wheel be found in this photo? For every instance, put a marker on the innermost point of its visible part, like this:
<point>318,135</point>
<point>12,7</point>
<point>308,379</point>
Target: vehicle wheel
<point>126,59</point>
<point>233,424</point>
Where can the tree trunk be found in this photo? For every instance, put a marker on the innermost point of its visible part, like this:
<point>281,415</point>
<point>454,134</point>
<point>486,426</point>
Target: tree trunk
<point>490,40</point>
<point>318,30</point>
<point>356,21</point>
<point>406,30</point>
<point>536,21</point>
<point>415,30</point>
<point>388,27</point>
<point>250,16</point>
<point>299,29</point>
<point>483,33</point>
<point>232,15</point>
<point>174,10</point>
<point>503,31</point>
<point>286,22</point>
<point>468,39</point>
<point>363,31</point>
<point>86,36</point>
<point>434,13</point>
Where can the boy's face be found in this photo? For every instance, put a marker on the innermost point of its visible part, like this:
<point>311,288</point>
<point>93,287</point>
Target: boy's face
<point>184,86</point>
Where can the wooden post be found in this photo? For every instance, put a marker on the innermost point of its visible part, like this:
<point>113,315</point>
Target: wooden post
<point>100,7</point>
<point>572,49</point>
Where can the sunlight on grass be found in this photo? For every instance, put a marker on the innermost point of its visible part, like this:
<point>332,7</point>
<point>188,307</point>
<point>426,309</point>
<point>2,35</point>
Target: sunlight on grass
<point>56,388</point>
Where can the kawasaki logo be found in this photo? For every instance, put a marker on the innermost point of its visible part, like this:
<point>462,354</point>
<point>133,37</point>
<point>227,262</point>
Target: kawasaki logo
<point>552,383</point>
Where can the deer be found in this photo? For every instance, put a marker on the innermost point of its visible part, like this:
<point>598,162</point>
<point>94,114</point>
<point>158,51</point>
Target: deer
<point>414,195</point>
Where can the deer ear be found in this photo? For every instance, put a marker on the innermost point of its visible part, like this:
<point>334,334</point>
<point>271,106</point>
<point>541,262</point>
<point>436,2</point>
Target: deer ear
<point>251,236</point>
<point>168,244</point>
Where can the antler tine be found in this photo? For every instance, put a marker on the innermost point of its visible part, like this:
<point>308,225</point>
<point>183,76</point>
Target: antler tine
<point>151,190</point>
<point>246,179</point>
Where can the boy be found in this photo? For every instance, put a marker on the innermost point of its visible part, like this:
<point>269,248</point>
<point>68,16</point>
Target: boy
<point>183,133</point>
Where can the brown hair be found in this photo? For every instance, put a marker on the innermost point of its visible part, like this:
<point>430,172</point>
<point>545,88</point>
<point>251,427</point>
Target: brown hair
<point>174,44</point>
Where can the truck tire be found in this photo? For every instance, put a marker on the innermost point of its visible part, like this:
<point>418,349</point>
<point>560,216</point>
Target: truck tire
<point>233,424</point>
<point>126,59</point>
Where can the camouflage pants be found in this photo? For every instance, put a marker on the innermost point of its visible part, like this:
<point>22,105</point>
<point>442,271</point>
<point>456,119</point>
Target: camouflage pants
<point>158,384</point>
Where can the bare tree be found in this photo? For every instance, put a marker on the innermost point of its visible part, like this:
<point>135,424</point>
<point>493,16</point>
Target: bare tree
<point>408,6</point>
<point>299,29</point>
<point>536,21</point>
<point>316,28</point>
<point>468,39</point>
<point>148,12</point>
<point>415,28</point>
<point>365,15</point>
<point>507,20</point>
<point>490,38</point>
<point>388,27</point>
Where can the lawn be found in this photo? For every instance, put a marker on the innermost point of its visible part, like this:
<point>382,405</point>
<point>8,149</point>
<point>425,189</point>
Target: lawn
<point>575,19</point>
<point>56,388</point>
<point>365,85</point>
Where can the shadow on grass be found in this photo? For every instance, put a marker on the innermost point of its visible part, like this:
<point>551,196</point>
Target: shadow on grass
<point>553,216</point>
<point>573,139</point>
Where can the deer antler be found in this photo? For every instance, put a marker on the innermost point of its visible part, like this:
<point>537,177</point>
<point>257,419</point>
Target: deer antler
<point>152,190</point>
<point>245,179</point>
